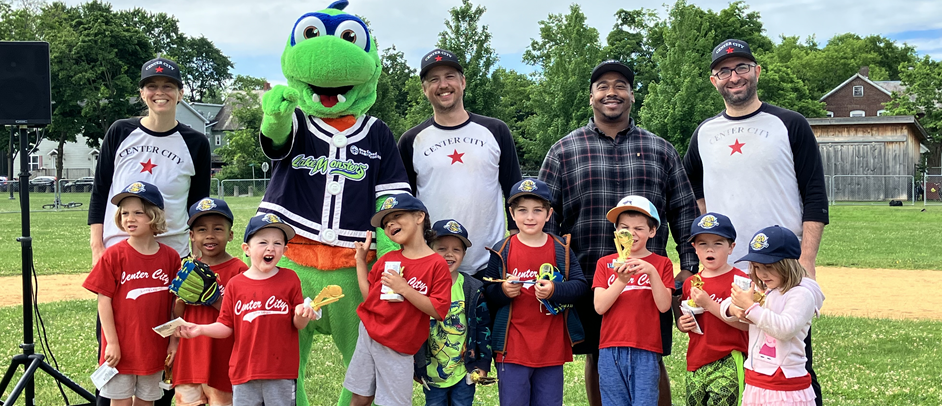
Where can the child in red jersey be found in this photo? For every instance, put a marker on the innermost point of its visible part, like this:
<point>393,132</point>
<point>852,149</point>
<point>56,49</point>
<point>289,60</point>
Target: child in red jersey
<point>392,327</point>
<point>257,310</point>
<point>715,353</point>
<point>534,329</point>
<point>631,296</point>
<point>131,280</point>
<point>201,366</point>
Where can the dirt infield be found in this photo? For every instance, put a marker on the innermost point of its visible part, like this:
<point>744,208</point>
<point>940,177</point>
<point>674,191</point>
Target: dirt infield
<point>848,291</point>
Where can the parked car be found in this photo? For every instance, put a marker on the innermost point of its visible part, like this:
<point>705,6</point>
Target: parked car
<point>6,183</point>
<point>40,181</point>
<point>82,184</point>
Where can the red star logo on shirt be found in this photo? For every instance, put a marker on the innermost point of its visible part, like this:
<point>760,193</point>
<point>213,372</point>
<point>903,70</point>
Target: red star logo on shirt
<point>438,58</point>
<point>148,167</point>
<point>159,69</point>
<point>456,157</point>
<point>737,147</point>
<point>729,50</point>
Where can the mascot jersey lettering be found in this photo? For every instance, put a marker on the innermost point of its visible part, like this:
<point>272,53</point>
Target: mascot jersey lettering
<point>261,314</point>
<point>464,173</point>
<point>204,359</point>
<point>137,285</point>
<point>177,162</point>
<point>322,173</point>
<point>633,319</point>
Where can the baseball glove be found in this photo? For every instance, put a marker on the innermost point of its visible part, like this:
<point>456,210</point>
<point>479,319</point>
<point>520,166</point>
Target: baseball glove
<point>195,283</point>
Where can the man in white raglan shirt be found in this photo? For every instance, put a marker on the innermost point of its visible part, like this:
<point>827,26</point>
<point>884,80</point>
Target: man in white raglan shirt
<point>460,164</point>
<point>758,164</point>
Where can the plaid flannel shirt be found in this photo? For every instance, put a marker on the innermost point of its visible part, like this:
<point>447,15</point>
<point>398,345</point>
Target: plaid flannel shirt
<point>589,172</point>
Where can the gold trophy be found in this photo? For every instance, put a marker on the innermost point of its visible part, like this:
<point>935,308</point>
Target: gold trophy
<point>695,282</point>
<point>758,297</point>
<point>623,242</point>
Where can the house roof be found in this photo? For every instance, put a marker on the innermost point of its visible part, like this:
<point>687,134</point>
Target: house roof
<point>195,112</point>
<point>920,132</point>
<point>856,75</point>
<point>224,119</point>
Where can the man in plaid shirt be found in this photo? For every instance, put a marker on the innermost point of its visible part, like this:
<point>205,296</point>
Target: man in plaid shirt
<point>589,170</point>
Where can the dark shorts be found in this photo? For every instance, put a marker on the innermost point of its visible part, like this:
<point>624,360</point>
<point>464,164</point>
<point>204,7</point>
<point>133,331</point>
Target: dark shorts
<point>592,324</point>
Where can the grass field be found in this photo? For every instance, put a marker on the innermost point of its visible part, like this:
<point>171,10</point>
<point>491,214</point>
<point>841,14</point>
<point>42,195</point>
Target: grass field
<point>859,361</point>
<point>858,236</point>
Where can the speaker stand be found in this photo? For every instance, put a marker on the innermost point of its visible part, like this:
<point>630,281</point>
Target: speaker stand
<point>29,358</point>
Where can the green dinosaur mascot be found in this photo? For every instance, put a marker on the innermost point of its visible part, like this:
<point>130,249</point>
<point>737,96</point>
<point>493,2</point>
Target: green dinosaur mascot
<point>332,164</point>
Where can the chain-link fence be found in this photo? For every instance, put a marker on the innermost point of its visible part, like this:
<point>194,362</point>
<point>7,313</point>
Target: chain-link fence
<point>47,193</point>
<point>871,189</point>
<point>242,187</point>
<point>931,190</point>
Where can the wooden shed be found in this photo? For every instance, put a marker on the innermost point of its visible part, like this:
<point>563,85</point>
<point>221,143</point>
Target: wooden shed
<point>869,158</point>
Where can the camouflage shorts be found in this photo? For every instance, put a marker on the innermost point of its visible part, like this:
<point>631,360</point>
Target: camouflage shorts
<point>719,383</point>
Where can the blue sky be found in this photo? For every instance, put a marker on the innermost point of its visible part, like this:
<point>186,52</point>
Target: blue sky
<point>253,33</point>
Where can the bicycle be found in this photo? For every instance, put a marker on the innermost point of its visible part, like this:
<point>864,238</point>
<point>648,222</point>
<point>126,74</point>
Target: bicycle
<point>58,203</point>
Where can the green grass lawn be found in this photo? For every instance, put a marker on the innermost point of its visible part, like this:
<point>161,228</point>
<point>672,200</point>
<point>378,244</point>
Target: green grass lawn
<point>858,236</point>
<point>859,361</point>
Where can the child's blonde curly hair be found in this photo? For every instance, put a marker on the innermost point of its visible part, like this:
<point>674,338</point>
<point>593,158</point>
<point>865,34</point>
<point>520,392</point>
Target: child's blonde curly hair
<point>158,222</point>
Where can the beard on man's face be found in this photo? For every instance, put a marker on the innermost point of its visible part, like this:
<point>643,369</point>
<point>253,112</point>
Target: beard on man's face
<point>744,97</point>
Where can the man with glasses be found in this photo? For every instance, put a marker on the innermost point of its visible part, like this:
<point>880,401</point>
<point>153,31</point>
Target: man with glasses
<point>460,164</point>
<point>758,164</point>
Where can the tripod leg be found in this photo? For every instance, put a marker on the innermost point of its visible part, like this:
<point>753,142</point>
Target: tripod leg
<point>25,379</point>
<point>8,376</point>
<point>67,382</point>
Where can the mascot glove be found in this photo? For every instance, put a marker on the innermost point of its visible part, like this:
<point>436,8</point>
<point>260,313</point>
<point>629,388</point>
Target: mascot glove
<point>195,283</point>
<point>278,105</point>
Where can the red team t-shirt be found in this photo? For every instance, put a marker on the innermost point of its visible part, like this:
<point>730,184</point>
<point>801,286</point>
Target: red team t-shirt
<point>718,339</point>
<point>401,326</point>
<point>633,320</point>
<point>204,359</point>
<point>261,313</point>
<point>535,339</point>
<point>137,285</point>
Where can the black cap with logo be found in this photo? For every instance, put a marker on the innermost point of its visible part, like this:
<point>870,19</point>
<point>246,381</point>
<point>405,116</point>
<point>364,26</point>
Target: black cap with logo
<point>439,57</point>
<point>729,49</point>
<point>160,67</point>
<point>612,65</point>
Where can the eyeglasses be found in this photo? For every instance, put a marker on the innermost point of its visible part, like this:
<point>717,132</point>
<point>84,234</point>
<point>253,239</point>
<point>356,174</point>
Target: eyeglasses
<point>740,69</point>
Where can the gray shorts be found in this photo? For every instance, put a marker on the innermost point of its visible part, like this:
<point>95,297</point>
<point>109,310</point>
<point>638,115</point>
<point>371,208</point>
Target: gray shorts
<point>268,392</point>
<point>377,370</point>
<point>144,387</point>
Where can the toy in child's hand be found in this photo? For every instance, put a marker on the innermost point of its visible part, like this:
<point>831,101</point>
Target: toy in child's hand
<point>550,273</point>
<point>328,295</point>
<point>623,243</point>
<point>695,282</point>
<point>517,281</point>
<point>476,378</point>
<point>744,285</point>
<point>195,283</point>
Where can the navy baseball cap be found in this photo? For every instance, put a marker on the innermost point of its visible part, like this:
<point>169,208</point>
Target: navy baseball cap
<point>394,203</point>
<point>530,187</point>
<point>729,49</point>
<point>439,57</point>
<point>143,190</point>
<point>612,65</point>
<point>160,67</point>
<point>634,203</point>
<point>712,223</point>
<point>267,220</point>
<point>451,227</point>
<point>773,244</point>
<point>209,205</point>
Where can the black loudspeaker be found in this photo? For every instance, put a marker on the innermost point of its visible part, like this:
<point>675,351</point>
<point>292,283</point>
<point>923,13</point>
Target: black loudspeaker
<point>24,83</point>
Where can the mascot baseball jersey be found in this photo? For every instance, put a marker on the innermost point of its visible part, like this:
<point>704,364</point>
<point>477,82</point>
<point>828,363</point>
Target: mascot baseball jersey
<point>177,162</point>
<point>137,285</point>
<point>261,315</point>
<point>339,172</point>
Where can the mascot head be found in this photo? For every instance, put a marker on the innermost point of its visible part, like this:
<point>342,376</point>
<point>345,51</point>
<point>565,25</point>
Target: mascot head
<point>331,59</point>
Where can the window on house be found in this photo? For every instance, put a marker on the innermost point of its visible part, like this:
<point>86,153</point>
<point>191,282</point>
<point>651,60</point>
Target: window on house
<point>858,91</point>
<point>858,113</point>
<point>830,114</point>
<point>218,140</point>
<point>881,112</point>
<point>35,162</point>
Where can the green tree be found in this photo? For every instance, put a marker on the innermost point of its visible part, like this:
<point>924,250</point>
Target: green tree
<point>242,147</point>
<point>161,29</point>
<point>566,52</point>
<point>514,107</point>
<point>205,69</point>
<point>683,96</point>
<point>247,83</point>
<point>392,97</point>
<point>471,42</point>
<point>780,86</point>
<point>633,40</point>
<point>923,97</point>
